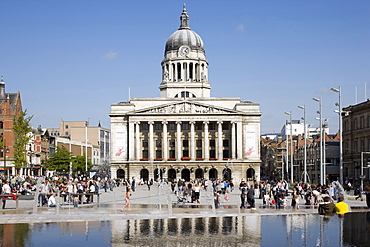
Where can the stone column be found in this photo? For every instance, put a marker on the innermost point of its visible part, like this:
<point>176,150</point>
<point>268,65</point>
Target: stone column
<point>219,138</point>
<point>151,141</point>
<point>131,146</point>
<point>239,151</point>
<point>175,78</point>
<point>138,140</point>
<point>165,141</point>
<point>192,140</point>
<point>178,141</point>
<point>233,141</point>
<point>206,141</point>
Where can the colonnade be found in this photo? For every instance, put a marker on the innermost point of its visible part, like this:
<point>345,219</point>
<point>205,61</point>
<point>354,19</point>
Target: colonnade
<point>184,71</point>
<point>136,138</point>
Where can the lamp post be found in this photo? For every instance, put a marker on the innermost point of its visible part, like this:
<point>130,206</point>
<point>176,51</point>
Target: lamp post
<point>362,168</point>
<point>305,144</point>
<point>322,175</point>
<point>291,146</point>
<point>4,153</point>
<point>339,104</point>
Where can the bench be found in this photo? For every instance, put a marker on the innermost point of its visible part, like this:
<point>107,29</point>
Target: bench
<point>85,195</point>
<point>18,197</point>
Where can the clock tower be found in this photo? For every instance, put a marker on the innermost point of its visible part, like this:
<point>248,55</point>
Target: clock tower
<point>184,67</point>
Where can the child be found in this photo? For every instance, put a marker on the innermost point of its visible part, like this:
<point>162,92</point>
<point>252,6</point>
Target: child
<point>75,202</point>
<point>226,197</point>
<point>284,202</point>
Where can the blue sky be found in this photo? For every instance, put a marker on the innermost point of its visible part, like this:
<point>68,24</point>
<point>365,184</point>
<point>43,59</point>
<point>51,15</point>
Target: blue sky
<point>72,59</point>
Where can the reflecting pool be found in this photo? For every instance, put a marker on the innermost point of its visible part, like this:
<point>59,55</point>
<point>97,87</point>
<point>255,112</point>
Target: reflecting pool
<point>249,230</point>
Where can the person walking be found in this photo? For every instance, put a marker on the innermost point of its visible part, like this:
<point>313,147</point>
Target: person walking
<point>243,193</point>
<point>359,193</point>
<point>250,197</point>
<point>6,190</point>
<point>128,202</point>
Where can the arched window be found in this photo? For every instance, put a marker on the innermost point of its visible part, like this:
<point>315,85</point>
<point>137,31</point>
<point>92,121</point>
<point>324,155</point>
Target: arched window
<point>250,174</point>
<point>120,173</point>
<point>144,174</point>
<point>185,94</point>
<point>212,173</point>
<point>199,173</point>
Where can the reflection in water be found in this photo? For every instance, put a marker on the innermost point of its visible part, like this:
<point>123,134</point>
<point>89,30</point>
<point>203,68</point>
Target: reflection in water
<point>251,230</point>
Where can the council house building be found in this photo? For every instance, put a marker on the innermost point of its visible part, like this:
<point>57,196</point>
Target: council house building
<point>185,133</point>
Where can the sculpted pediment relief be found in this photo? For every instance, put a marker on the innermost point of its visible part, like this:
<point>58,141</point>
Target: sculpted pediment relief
<point>186,108</point>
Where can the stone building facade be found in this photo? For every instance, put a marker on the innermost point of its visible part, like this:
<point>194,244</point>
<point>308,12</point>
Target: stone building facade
<point>356,140</point>
<point>185,133</point>
<point>10,108</point>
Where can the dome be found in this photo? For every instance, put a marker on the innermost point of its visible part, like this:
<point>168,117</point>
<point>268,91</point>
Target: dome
<point>184,37</point>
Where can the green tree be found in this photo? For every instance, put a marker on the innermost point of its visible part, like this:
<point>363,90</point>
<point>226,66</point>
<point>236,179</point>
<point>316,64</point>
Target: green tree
<point>59,160</point>
<point>79,164</point>
<point>21,130</point>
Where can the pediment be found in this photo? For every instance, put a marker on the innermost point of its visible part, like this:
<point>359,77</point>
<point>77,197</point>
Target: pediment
<point>186,107</point>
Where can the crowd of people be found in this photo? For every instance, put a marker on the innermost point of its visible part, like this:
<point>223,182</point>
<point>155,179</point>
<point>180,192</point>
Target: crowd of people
<point>274,194</point>
<point>70,189</point>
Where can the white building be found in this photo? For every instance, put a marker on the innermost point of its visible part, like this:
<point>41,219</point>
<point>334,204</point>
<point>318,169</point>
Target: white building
<point>185,133</point>
<point>298,129</point>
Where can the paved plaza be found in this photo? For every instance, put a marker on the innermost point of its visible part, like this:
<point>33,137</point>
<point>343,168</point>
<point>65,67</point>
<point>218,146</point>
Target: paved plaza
<point>158,202</point>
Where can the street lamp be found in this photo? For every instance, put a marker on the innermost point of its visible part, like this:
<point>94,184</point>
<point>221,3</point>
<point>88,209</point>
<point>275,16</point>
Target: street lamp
<point>322,175</point>
<point>305,143</point>
<point>339,104</point>
<point>291,146</point>
<point>362,168</point>
<point>4,150</point>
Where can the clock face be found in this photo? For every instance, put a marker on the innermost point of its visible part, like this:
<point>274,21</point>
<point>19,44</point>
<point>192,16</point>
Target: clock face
<point>184,50</point>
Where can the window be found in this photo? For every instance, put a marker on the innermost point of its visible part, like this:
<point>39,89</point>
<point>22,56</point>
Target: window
<point>66,133</point>
<point>225,143</point>
<point>185,143</point>
<point>172,154</point>
<point>355,124</point>
<point>145,154</point>
<point>226,154</point>
<point>158,126</point>
<point>346,126</point>
<point>185,126</point>
<point>212,126</point>
<point>212,143</point>
<point>185,153</point>
<point>171,126</point>
<point>1,125</point>
<point>355,146</point>
<point>212,154</point>
<point>362,145</point>
<point>199,143</point>
<point>198,126</point>
<point>172,143</point>
<point>145,143</point>
<point>362,122</point>
<point>158,154</point>
<point>225,126</point>
<point>67,126</point>
<point>145,126</point>
<point>158,143</point>
<point>198,154</point>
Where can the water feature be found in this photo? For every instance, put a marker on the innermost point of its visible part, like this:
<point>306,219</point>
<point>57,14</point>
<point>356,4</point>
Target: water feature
<point>249,230</point>
<point>37,198</point>
<point>341,191</point>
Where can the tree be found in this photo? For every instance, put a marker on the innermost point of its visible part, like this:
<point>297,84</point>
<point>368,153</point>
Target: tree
<point>59,160</point>
<point>79,163</point>
<point>21,130</point>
